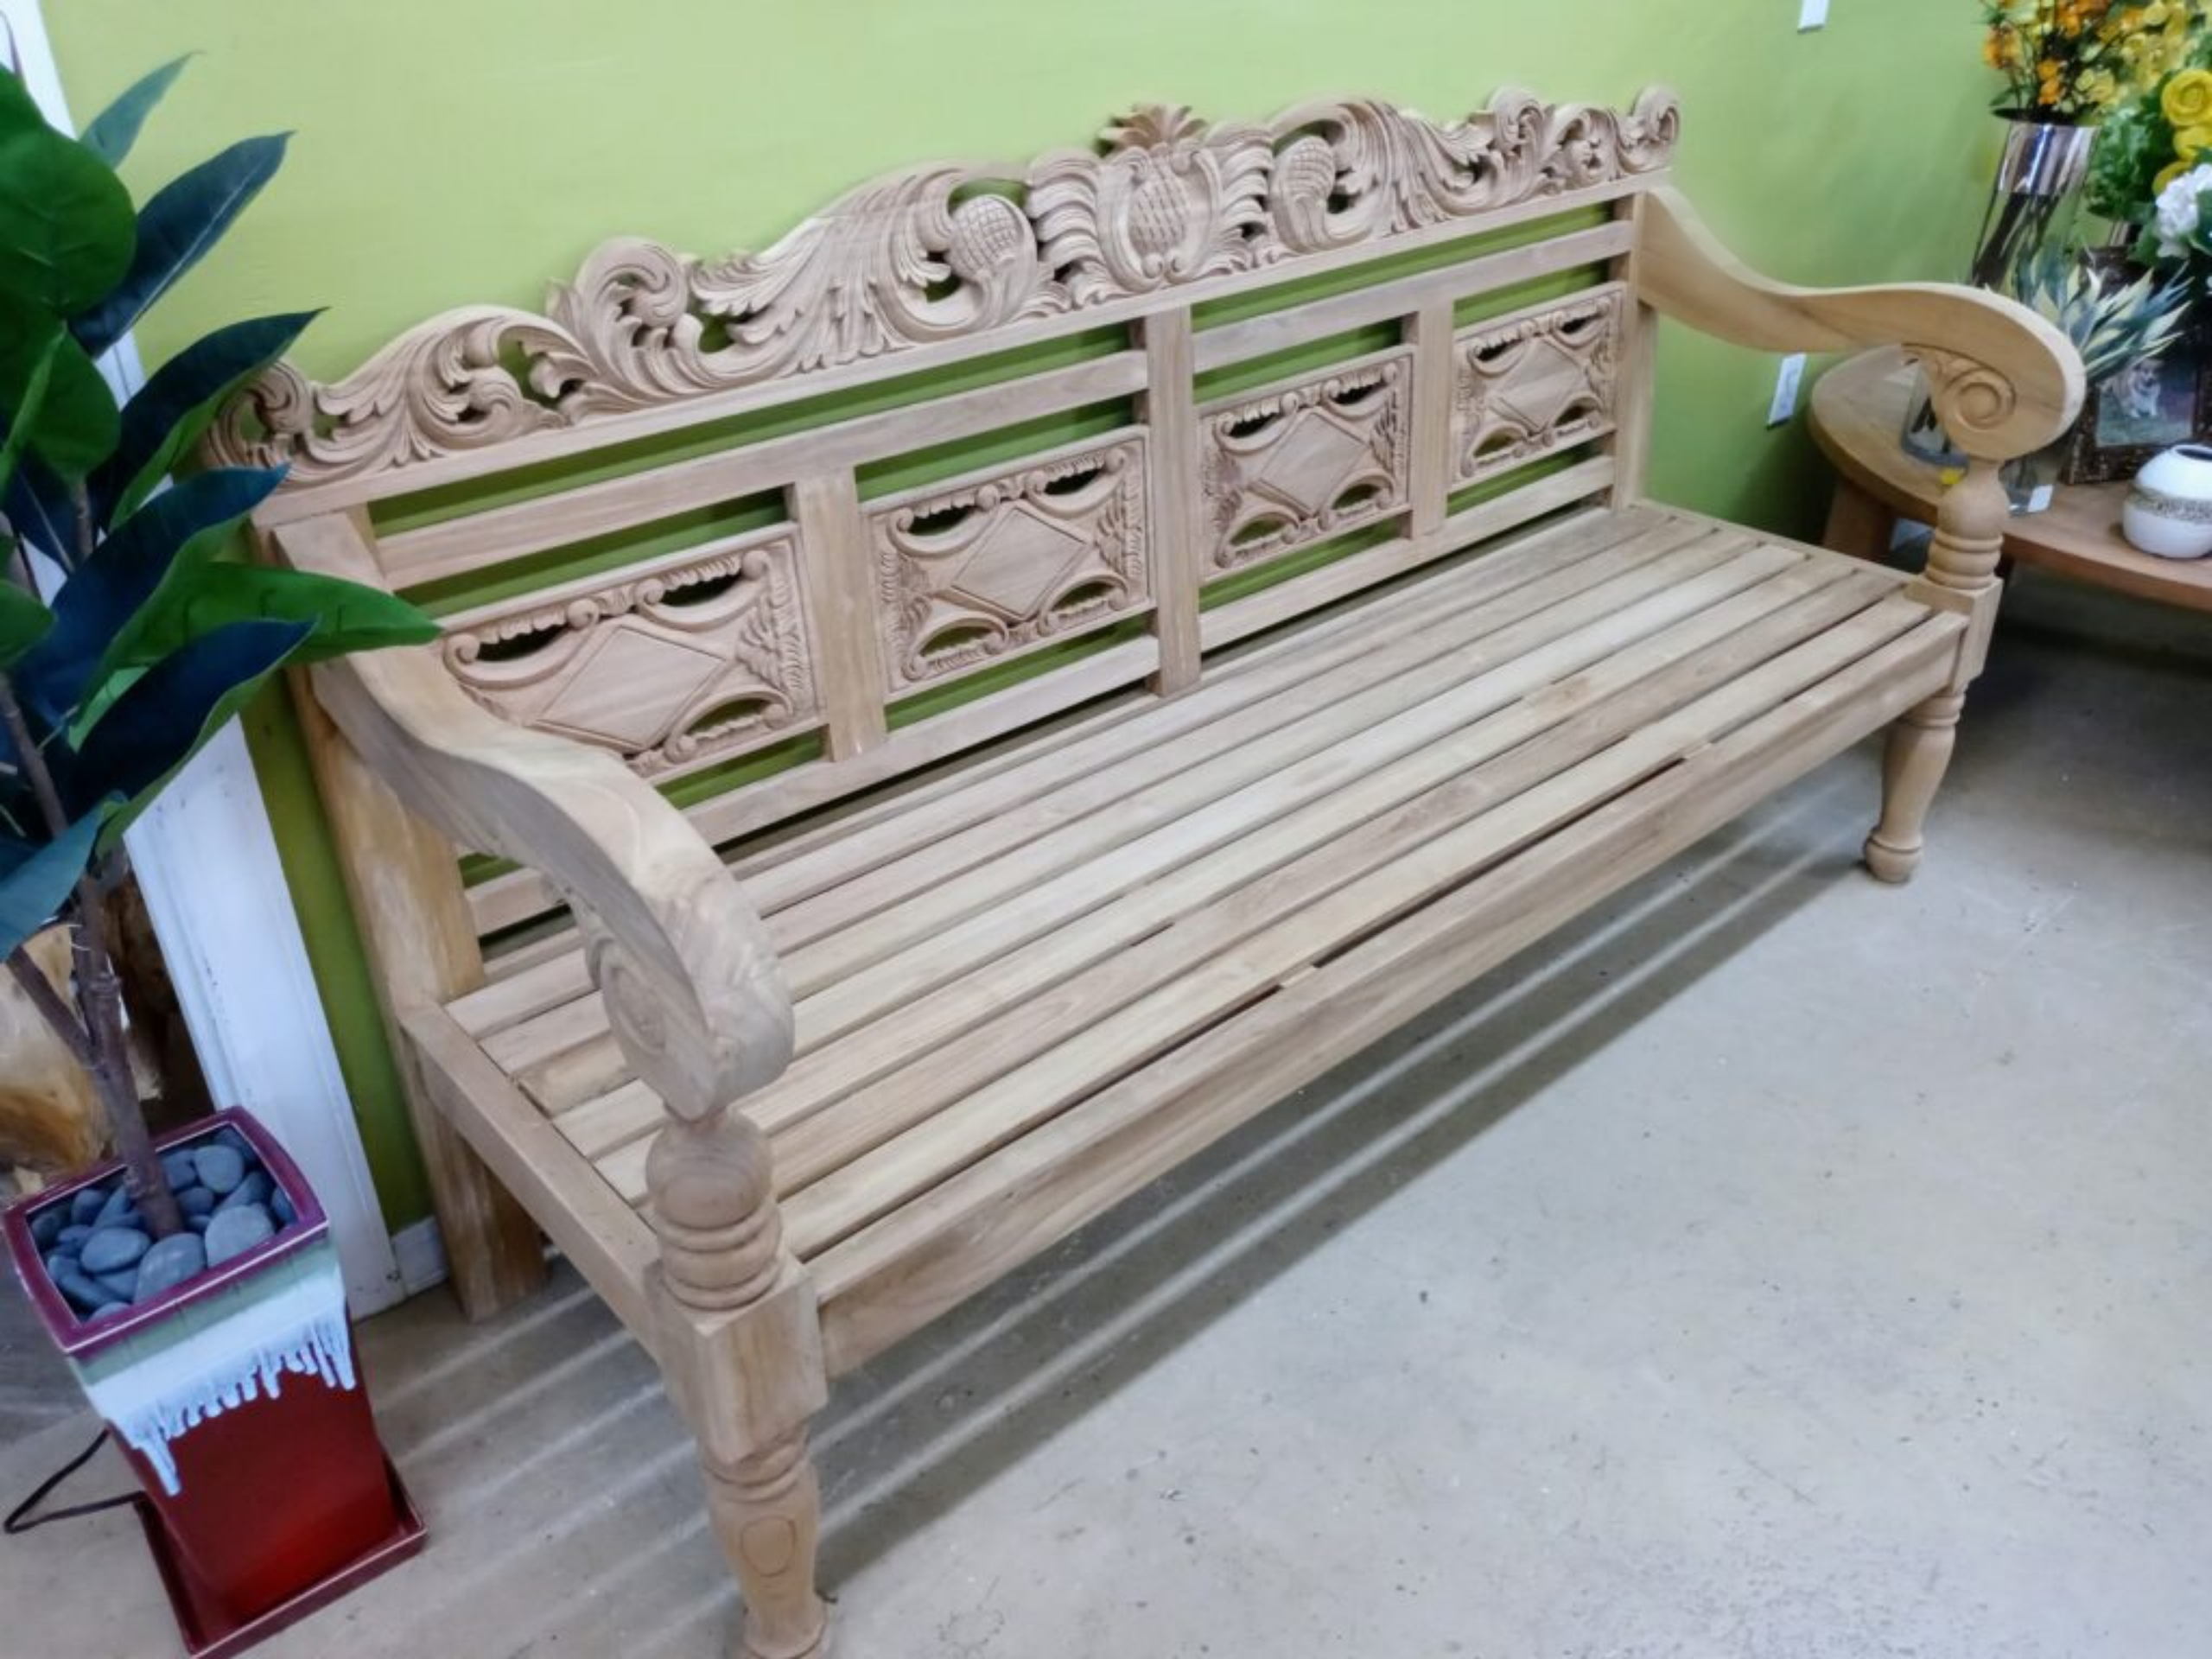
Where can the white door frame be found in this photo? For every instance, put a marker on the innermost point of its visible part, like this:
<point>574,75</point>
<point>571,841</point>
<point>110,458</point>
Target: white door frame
<point>206,858</point>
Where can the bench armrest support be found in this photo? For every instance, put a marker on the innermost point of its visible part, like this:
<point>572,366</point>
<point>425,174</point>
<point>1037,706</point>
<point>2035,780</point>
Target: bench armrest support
<point>2005,381</point>
<point>693,991</point>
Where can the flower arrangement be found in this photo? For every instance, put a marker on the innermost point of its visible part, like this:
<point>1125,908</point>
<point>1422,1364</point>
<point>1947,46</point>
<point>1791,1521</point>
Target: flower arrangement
<point>2152,139</point>
<point>2077,60</point>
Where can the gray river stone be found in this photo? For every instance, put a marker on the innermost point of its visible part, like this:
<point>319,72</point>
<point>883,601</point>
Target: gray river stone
<point>255,1189</point>
<point>220,1168</point>
<point>280,1206</point>
<point>180,1167</point>
<point>85,1293</point>
<point>169,1263</point>
<point>111,1249</point>
<point>118,1211</point>
<point>233,1232</point>
<point>47,1225</point>
<point>86,1205</point>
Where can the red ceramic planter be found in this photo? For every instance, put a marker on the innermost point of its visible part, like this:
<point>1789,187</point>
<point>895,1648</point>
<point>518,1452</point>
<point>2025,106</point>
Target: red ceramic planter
<point>238,1402</point>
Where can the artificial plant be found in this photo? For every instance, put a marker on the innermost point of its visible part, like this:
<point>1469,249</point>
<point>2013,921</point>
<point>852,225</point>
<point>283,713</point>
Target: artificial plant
<point>128,634</point>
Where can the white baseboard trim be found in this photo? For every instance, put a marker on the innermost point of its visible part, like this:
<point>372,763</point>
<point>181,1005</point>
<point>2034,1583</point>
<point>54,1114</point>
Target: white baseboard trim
<point>420,1249</point>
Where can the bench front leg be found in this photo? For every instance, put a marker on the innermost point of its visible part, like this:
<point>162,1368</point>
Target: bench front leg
<point>1962,560</point>
<point>740,1343</point>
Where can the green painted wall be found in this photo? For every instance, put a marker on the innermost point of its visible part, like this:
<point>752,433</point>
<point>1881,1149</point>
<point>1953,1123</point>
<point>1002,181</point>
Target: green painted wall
<point>468,149</point>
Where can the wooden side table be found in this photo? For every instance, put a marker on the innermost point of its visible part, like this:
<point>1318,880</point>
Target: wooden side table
<point>1858,409</point>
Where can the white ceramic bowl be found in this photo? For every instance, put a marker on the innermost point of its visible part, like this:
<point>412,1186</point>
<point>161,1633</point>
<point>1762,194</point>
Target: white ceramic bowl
<point>2168,511</point>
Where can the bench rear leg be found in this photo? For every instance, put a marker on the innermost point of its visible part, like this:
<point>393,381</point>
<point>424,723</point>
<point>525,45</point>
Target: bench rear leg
<point>1919,752</point>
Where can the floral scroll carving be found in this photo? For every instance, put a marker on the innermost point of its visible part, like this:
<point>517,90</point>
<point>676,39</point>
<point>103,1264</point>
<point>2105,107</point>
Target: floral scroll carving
<point>933,255</point>
<point>1534,383</point>
<point>969,572</point>
<point>1303,462</point>
<point>698,658</point>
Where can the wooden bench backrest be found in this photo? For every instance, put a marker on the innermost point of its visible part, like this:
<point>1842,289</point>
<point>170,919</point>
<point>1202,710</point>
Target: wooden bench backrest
<point>760,523</point>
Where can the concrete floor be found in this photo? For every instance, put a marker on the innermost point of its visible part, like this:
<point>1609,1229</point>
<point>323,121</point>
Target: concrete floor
<point>1775,1265</point>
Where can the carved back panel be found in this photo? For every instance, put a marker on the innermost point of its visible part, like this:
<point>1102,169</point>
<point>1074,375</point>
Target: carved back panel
<point>819,626</point>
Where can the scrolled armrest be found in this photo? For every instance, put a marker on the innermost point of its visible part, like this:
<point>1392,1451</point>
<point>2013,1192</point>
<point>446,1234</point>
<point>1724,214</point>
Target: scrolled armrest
<point>694,992</point>
<point>2005,381</point>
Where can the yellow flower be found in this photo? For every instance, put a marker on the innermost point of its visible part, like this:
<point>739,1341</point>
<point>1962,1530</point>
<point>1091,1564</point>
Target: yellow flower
<point>2166,176</point>
<point>2192,141</point>
<point>2187,99</point>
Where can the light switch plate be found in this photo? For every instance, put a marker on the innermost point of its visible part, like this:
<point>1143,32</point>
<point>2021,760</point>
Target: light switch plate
<point>1786,384</point>
<point>1813,14</point>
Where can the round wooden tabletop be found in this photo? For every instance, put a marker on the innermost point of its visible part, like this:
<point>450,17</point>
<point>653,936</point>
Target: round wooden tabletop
<point>1858,409</point>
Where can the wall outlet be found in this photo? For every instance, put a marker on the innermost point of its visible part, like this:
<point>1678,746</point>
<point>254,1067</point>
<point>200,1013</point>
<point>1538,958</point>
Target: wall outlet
<point>1785,390</point>
<point>1813,14</point>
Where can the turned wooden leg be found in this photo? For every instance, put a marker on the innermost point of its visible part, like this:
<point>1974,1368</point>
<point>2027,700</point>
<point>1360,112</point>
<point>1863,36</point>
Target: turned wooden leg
<point>1919,751</point>
<point>739,1340</point>
<point>1961,572</point>
<point>767,1512</point>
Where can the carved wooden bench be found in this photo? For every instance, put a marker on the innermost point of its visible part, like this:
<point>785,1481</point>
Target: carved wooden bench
<point>1122,634</point>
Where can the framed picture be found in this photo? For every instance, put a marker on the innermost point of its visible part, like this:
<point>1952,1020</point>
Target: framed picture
<point>2144,408</point>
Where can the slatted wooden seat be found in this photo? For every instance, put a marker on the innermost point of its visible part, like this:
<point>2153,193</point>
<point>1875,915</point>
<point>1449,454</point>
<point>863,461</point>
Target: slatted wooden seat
<point>1087,738</point>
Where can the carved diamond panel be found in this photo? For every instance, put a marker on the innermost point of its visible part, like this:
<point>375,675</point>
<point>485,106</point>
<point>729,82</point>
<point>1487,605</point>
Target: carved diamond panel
<point>1533,382</point>
<point>970,571</point>
<point>1304,460</point>
<point>692,658</point>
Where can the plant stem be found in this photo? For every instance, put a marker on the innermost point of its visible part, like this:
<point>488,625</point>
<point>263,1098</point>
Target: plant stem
<point>99,992</point>
<point>39,991</point>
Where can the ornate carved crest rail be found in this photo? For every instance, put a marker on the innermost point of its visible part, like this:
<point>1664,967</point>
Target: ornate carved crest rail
<point>938,255</point>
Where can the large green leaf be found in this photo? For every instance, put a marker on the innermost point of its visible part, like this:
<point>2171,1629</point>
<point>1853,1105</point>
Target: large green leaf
<point>172,410</point>
<point>75,427</point>
<point>178,529</point>
<point>115,129</point>
<point>23,622</point>
<point>186,217</point>
<point>66,227</point>
<point>172,709</point>
<point>37,889</point>
<point>347,615</point>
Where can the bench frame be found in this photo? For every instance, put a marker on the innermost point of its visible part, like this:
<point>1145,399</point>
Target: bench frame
<point>409,765</point>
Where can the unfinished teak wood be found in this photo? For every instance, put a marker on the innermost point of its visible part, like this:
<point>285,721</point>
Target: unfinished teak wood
<point>1123,781</point>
